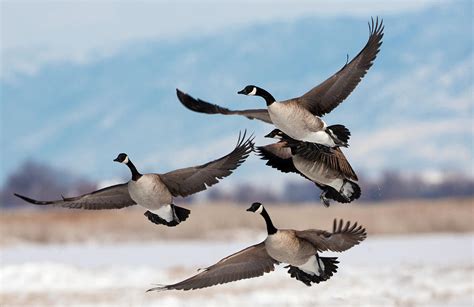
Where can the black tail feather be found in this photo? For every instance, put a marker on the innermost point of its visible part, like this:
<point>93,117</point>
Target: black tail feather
<point>180,214</point>
<point>340,134</point>
<point>330,267</point>
<point>357,191</point>
<point>331,193</point>
<point>156,219</point>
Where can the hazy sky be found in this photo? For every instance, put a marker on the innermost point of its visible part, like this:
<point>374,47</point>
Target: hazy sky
<point>73,72</point>
<point>38,32</point>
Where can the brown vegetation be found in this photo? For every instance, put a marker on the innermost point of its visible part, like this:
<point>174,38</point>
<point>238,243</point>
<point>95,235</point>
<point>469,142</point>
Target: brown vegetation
<point>226,220</point>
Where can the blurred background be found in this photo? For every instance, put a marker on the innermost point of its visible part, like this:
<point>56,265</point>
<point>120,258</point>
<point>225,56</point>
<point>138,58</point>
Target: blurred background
<point>84,81</point>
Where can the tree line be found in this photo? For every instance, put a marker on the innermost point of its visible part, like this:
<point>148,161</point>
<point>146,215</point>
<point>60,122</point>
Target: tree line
<point>44,182</point>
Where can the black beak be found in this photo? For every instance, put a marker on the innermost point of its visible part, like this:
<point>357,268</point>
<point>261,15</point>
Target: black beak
<point>116,160</point>
<point>242,92</point>
<point>269,135</point>
<point>249,209</point>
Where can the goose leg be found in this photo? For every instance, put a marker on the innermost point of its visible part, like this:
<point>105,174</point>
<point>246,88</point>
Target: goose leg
<point>320,269</point>
<point>323,198</point>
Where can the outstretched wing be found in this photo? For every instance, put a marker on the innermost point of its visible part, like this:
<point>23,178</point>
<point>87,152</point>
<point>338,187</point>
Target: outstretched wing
<point>278,156</point>
<point>190,180</point>
<point>113,197</point>
<point>323,98</point>
<point>202,106</point>
<point>251,262</point>
<point>342,237</point>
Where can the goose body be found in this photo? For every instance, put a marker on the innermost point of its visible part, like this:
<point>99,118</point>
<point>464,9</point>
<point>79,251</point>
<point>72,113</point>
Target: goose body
<point>150,192</point>
<point>283,247</point>
<point>299,123</point>
<point>299,249</point>
<point>328,169</point>
<point>155,192</point>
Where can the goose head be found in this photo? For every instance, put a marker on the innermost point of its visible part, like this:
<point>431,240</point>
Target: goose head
<point>122,158</point>
<point>252,90</point>
<point>275,134</point>
<point>256,207</point>
<point>249,90</point>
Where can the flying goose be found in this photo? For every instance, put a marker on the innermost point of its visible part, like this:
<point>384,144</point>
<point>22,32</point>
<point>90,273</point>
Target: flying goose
<point>327,167</point>
<point>155,192</point>
<point>298,248</point>
<point>300,117</point>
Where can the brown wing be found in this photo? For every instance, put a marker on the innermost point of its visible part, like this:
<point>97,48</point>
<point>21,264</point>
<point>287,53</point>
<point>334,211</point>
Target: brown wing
<point>187,181</point>
<point>342,237</point>
<point>113,197</point>
<point>331,157</point>
<point>251,262</point>
<point>202,106</point>
<point>326,96</point>
<point>278,156</point>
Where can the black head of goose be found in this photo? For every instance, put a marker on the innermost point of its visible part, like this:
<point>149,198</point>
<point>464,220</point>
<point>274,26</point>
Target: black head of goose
<point>155,192</point>
<point>123,158</point>
<point>252,90</point>
<point>327,167</point>
<point>298,248</point>
<point>300,117</point>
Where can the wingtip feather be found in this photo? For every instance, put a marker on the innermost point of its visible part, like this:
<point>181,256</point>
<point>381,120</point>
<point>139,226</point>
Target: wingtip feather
<point>27,199</point>
<point>158,289</point>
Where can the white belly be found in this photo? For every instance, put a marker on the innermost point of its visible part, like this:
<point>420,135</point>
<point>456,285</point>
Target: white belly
<point>320,137</point>
<point>149,192</point>
<point>299,124</point>
<point>318,173</point>
<point>312,266</point>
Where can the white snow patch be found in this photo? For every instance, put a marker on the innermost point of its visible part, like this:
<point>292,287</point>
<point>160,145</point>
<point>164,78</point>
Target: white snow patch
<point>383,271</point>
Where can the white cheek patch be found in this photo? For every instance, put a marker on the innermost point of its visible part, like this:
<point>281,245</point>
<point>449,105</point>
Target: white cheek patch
<point>260,209</point>
<point>253,92</point>
<point>126,160</point>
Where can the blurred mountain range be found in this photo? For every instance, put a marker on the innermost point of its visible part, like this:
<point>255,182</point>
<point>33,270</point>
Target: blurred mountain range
<point>46,183</point>
<point>412,113</point>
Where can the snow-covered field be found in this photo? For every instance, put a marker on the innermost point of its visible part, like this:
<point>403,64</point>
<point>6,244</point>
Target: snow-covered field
<point>428,270</point>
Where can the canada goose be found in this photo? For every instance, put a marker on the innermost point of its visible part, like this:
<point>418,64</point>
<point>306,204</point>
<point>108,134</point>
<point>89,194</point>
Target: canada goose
<point>298,248</point>
<point>300,117</point>
<point>155,191</point>
<point>327,167</point>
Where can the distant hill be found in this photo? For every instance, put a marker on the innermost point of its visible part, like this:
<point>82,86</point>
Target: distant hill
<point>44,182</point>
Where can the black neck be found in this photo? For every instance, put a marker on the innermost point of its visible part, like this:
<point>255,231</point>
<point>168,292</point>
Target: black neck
<point>265,95</point>
<point>135,174</point>
<point>270,228</point>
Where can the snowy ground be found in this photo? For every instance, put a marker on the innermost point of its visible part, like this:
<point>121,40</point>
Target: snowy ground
<point>428,270</point>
